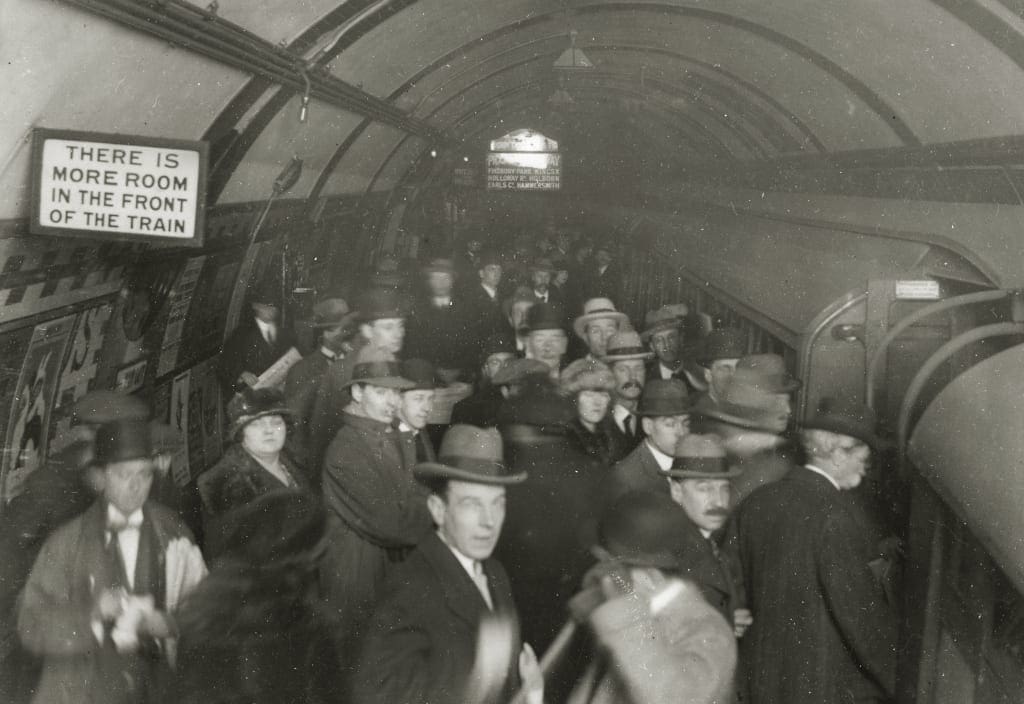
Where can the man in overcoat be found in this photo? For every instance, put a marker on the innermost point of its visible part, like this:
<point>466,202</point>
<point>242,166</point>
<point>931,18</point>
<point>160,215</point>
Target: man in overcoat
<point>256,343</point>
<point>447,630</point>
<point>823,632</point>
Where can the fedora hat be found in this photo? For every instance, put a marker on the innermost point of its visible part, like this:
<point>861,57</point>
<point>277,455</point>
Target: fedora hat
<point>751,397</point>
<point>665,318</point>
<point>421,373</point>
<point>724,343</point>
<point>644,529</point>
<point>586,374</point>
<point>700,457</point>
<point>518,369</point>
<point>539,404</point>
<point>376,303</point>
<point>597,309</point>
<point>442,266</point>
<point>249,404</point>
<point>664,397</point>
<point>470,454</point>
<point>122,441</point>
<point>544,316</point>
<point>846,417</point>
<point>769,372</point>
<point>331,313</point>
<point>624,345</point>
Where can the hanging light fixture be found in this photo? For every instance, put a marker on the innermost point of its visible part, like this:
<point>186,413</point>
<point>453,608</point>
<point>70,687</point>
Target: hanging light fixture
<point>573,59</point>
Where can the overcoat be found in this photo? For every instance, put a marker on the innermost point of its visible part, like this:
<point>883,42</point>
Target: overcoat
<point>600,444</point>
<point>480,409</point>
<point>55,618</point>
<point>822,632</point>
<point>245,350</point>
<point>626,443</point>
<point>481,313</point>
<point>638,471</point>
<point>300,390</point>
<point>422,642</point>
<point>439,335</point>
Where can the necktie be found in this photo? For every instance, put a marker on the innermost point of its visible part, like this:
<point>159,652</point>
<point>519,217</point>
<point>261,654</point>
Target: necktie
<point>627,422</point>
<point>480,579</point>
<point>271,334</point>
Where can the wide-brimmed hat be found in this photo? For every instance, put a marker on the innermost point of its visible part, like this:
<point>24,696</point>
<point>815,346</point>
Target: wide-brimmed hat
<point>544,316</point>
<point>767,371</point>
<point>586,374</point>
<point>664,397</point>
<point>522,294</point>
<point>279,528</point>
<point>518,369</point>
<point>249,404</point>
<point>332,313</point>
<point>751,396</point>
<point>421,373</point>
<point>122,441</point>
<point>597,309</point>
<point>700,457</point>
<point>724,343</point>
<point>625,345</point>
<point>667,317</point>
<point>378,368</point>
<point>470,454</point>
<point>644,529</point>
<point>849,418</point>
<point>542,264</point>
<point>377,303</point>
<point>442,266</point>
<point>106,406</point>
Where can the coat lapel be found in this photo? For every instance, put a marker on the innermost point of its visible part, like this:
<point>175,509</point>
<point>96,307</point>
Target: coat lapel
<point>461,594</point>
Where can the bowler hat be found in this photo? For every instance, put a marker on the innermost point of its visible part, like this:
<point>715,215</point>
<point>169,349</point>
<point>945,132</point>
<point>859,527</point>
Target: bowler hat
<point>751,396</point>
<point>586,374</point>
<point>376,303</point>
<point>498,343</point>
<point>105,406</point>
<point>421,373</point>
<point>277,529</point>
<point>542,264</point>
<point>544,316</point>
<point>667,317</point>
<point>724,343</point>
<point>597,309</point>
<point>664,397</point>
<point>331,313</point>
<point>470,454</point>
<point>846,417</point>
<point>625,345</point>
<point>644,529</point>
<point>522,294</point>
<point>378,369</point>
<point>249,404</point>
<point>121,441</point>
<point>518,369</point>
<point>440,266</point>
<point>267,291</point>
<point>700,457</point>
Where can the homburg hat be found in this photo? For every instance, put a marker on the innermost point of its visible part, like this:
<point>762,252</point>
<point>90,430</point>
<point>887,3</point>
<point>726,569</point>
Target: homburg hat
<point>518,369</point>
<point>849,418</point>
<point>667,317</point>
<point>586,374</point>
<point>597,309</point>
<point>249,404</point>
<point>420,373</point>
<point>724,343</point>
<point>750,398</point>
<point>122,441</point>
<point>441,266</point>
<point>664,397</point>
<point>376,303</point>
<point>470,454</point>
<point>544,316</point>
<point>332,313</point>
<point>625,345</point>
<point>701,457</point>
<point>378,369</point>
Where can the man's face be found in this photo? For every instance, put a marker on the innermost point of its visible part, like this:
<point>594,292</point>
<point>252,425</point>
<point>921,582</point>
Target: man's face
<point>541,280</point>
<point>630,376</point>
<point>440,283</point>
<point>265,312</point>
<point>386,334</point>
<point>495,362</point>
<point>717,375</point>
<point>415,406</point>
<point>665,344</point>
<point>264,435</point>
<point>548,346</point>
<point>470,517</point>
<point>665,432</point>
<point>378,403</point>
<point>597,332</point>
<point>519,311</point>
<point>474,246</point>
<point>490,275</point>
<point>126,484</point>
<point>706,501</point>
<point>782,411</point>
<point>592,405</point>
<point>603,257</point>
<point>333,338</point>
<point>850,462</point>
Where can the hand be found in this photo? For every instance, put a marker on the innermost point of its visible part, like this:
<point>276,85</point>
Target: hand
<point>742,619</point>
<point>531,675</point>
<point>155,624</point>
<point>109,605</point>
<point>248,378</point>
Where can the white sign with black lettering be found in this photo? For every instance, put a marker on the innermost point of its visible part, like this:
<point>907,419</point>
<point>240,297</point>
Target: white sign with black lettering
<point>128,187</point>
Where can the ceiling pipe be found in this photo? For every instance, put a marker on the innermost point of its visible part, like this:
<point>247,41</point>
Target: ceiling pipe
<point>199,31</point>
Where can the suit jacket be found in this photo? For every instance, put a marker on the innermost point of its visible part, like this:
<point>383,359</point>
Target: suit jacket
<point>439,335</point>
<point>709,568</point>
<point>246,351</point>
<point>55,618</point>
<point>822,630</point>
<point>482,314</point>
<point>625,443</point>
<point>639,471</point>
<point>422,641</point>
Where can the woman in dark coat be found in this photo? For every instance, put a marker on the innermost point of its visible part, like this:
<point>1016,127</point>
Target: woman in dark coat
<point>589,384</point>
<point>255,464</point>
<point>254,631</point>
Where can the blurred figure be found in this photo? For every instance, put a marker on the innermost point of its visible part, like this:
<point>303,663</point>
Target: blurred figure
<point>598,323</point>
<point>482,407</point>
<point>254,629</point>
<point>479,300</point>
<point>254,464</point>
<point>256,343</point>
<point>604,280</point>
<point>446,630</point>
<point>542,271</point>
<point>546,340</point>
<point>626,357</point>
<point>660,641</point>
<point>516,307</point>
<point>97,606</point>
<point>589,384</point>
<point>437,328</point>
<point>414,407</point>
<point>719,353</point>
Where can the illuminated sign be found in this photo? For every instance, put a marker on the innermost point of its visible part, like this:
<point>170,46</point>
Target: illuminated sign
<point>524,160</point>
<point>923,290</point>
<point>107,186</point>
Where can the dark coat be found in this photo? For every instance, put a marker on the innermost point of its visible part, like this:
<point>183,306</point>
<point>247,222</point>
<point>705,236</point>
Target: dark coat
<point>482,314</point>
<point>606,285</point>
<point>421,644</point>
<point>706,565</point>
<point>822,631</point>
<point>416,447</point>
<point>376,514</point>
<point>300,390</point>
<point>600,445</point>
<point>245,350</point>
<point>440,336</point>
<point>625,443</point>
<point>331,399</point>
<point>232,483</point>
<point>639,471</point>
<point>480,409</point>
<point>688,373</point>
<point>762,468</point>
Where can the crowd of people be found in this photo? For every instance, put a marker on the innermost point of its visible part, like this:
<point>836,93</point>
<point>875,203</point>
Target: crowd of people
<point>597,512</point>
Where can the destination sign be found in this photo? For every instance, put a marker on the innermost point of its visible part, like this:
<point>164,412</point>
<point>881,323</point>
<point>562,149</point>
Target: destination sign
<point>523,171</point>
<point>118,187</point>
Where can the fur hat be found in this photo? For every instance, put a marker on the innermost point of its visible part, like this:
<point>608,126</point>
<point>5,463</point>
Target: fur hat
<point>586,375</point>
<point>250,404</point>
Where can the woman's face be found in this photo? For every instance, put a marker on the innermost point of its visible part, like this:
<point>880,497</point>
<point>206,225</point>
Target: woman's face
<point>592,405</point>
<point>265,435</point>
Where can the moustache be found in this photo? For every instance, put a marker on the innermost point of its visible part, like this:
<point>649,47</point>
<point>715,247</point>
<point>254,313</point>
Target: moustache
<point>717,512</point>
<point>632,385</point>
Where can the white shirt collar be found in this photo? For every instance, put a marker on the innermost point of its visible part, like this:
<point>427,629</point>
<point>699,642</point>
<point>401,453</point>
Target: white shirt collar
<point>492,292</point>
<point>115,516</point>
<point>619,413</point>
<point>329,353</point>
<point>406,428</point>
<point>442,301</point>
<point>542,296</point>
<point>266,328</point>
<point>663,460</point>
<point>822,472</point>
<point>665,372</point>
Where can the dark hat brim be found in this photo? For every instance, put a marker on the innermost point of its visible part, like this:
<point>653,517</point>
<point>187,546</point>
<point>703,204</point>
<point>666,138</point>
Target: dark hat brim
<point>345,321</point>
<point>627,355</point>
<point>472,470</point>
<point>730,473</point>
<point>724,413</point>
<point>387,382</point>
<point>842,426</point>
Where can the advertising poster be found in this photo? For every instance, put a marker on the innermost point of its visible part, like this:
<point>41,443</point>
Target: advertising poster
<point>180,469</point>
<point>29,421</point>
<point>179,301</point>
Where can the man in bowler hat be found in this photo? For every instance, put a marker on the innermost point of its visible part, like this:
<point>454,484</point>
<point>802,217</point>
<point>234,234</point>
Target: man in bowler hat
<point>718,356</point>
<point>414,407</point>
<point>546,340</point>
<point>447,630</point>
<point>257,343</point>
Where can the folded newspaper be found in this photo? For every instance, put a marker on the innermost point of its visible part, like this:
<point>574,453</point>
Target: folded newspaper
<point>274,377</point>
